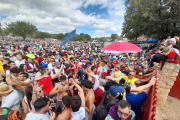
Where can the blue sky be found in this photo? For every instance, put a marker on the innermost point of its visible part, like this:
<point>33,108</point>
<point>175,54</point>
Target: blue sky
<point>98,18</point>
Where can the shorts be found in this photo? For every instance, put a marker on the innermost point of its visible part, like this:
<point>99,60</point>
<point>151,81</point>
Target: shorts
<point>59,106</point>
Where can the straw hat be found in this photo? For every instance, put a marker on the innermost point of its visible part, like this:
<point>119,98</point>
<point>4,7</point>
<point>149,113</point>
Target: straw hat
<point>132,59</point>
<point>117,76</point>
<point>4,89</point>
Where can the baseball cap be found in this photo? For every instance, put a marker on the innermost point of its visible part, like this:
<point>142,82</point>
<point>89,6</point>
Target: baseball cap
<point>80,63</point>
<point>114,56</point>
<point>105,74</point>
<point>116,90</point>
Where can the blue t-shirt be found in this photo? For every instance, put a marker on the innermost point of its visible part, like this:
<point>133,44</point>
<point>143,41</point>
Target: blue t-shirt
<point>136,101</point>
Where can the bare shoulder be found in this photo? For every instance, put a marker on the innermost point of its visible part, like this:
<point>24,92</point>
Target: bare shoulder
<point>63,117</point>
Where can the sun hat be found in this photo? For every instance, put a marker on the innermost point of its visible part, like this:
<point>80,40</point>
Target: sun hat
<point>30,55</point>
<point>117,76</point>
<point>169,42</point>
<point>103,81</point>
<point>4,89</point>
<point>132,59</point>
<point>118,66</point>
<point>116,90</point>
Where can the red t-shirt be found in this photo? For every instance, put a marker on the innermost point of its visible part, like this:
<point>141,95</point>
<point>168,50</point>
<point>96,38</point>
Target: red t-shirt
<point>96,69</point>
<point>98,96</point>
<point>47,84</point>
<point>115,62</point>
<point>40,59</point>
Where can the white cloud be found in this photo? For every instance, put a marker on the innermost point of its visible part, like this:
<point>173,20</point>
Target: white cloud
<point>63,15</point>
<point>100,33</point>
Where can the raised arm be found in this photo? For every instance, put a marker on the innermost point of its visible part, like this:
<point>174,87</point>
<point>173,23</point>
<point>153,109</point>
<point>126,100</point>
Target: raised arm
<point>57,74</point>
<point>143,87</point>
<point>23,83</point>
<point>81,93</point>
<point>54,90</point>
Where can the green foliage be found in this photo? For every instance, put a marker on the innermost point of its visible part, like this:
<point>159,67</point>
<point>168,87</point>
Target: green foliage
<point>114,36</point>
<point>21,28</point>
<point>42,35</point>
<point>151,18</point>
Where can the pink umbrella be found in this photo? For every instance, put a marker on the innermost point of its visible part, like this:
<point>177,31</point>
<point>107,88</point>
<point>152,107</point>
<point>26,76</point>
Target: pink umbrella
<point>121,47</point>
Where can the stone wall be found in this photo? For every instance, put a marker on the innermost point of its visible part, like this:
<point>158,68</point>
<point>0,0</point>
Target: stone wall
<point>166,76</point>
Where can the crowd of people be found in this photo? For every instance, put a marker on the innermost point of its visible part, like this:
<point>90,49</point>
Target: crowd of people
<point>77,81</point>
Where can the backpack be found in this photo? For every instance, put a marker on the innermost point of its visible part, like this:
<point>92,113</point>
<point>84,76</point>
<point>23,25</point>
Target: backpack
<point>11,115</point>
<point>102,110</point>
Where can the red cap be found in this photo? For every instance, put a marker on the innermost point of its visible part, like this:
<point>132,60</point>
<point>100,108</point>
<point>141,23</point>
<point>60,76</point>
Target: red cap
<point>105,74</point>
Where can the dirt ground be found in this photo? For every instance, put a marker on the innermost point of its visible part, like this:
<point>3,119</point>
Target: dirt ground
<point>170,111</point>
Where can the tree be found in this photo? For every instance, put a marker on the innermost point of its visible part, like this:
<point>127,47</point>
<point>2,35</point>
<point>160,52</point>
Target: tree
<point>114,36</point>
<point>21,28</point>
<point>157,18</point>
<point>42,35</point>
<point>60,36</point>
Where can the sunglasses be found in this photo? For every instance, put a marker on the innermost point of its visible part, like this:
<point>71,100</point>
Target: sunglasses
<point>121,113</point>
<point>44,59</point>
<point>131,75</point>
<point>140,75</point>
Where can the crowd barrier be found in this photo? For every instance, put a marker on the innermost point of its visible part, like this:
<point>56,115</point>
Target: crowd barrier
<point>149,108</point>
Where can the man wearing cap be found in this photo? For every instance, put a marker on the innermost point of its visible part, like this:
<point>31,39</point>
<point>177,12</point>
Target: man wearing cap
<point>109,99</point>
<point>115,62</point>
<point>10,97</point>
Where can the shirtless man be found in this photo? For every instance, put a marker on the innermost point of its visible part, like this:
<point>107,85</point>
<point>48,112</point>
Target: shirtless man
<point>61,90</point>
<point>89,99</point>
<point>23,80</point>
<point>66,114</point>
<point>14,73</point>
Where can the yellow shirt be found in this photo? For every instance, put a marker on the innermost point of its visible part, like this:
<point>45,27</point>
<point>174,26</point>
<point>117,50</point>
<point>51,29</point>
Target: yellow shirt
<point>128,82</point>
<point>1,67</point>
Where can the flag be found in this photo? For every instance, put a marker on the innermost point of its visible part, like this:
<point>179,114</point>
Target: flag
<point>69,37</point>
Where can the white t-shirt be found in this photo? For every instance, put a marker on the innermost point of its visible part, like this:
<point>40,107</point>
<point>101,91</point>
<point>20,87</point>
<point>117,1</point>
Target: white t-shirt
<point>11,101</point>
<point>103,69</point>
<point>50,67</point>
<point>79,115</point>
<point>96,84</point>
<point>7,73</point>
<point>34,116</point>
<point>17,62</point>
